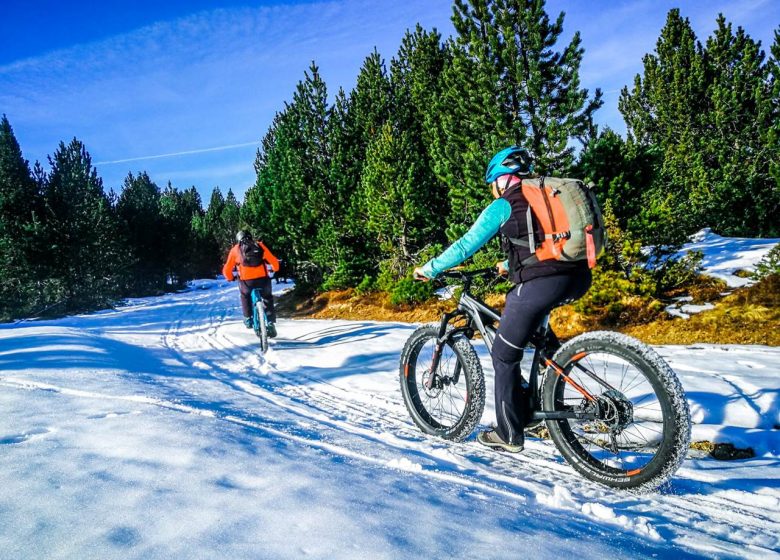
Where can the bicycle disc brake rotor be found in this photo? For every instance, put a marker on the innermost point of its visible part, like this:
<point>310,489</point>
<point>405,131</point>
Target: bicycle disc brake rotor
<point>614,410</point>
<point>433,386</point>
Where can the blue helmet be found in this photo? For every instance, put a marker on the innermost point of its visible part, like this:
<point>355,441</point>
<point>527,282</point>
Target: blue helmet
<point>509,161</point>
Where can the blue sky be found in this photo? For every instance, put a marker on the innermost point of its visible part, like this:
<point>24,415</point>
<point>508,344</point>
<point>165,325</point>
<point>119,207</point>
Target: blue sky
<point>186,89</point>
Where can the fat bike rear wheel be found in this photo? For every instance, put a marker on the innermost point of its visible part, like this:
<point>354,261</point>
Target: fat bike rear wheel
<point>261,326</point>
<point>642,426</point>
<point>447,402</point>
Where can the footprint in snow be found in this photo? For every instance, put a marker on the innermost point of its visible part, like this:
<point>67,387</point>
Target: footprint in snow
<point>21,438</point>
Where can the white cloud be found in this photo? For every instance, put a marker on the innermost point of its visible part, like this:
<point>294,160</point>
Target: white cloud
<point>210,79</point>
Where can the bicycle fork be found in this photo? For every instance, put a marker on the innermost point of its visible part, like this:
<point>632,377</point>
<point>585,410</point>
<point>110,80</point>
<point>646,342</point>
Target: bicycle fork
<point>441,340</point>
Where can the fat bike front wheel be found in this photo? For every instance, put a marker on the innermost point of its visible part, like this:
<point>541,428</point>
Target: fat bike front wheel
<point>447,402</point>
<point>642,426</point>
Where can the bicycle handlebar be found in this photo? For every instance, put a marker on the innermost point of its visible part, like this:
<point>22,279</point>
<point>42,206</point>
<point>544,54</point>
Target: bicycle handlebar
<point>469,274</point>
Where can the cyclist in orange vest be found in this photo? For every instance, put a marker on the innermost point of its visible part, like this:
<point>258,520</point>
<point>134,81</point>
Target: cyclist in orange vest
<point>253,259</point>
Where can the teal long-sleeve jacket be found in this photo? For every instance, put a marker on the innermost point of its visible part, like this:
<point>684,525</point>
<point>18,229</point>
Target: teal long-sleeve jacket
<point>483,230</point>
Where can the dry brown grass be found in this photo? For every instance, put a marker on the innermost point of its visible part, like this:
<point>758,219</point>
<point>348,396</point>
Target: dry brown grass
<point>703,289</point>
<point>346,304</point>
<point>747,316</point>
<point>723,451</point>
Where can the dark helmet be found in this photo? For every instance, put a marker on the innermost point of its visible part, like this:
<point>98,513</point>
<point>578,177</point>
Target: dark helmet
<point>241,235</point>
<point>509,161</point>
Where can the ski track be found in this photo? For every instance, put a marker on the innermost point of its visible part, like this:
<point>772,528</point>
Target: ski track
<point>279,396</point>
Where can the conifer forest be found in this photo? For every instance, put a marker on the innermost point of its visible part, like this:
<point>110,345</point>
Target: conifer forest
<point>355,188</point>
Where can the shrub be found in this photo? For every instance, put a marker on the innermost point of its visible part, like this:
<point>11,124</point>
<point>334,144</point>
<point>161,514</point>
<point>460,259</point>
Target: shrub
<point>677,272</point>
<point>393,271</point>
<point>366,286</point>
<point>408,291</point>
<point>766,292</point>
<point>769,265</point>
<point>614,299</point>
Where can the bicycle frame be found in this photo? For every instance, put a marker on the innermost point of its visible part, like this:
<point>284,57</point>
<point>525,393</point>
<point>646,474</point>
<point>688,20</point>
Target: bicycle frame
<point>481,318</point>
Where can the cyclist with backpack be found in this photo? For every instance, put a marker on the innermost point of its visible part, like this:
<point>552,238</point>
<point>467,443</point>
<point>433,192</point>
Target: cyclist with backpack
<point>548,265</point>
<point>252,258</point>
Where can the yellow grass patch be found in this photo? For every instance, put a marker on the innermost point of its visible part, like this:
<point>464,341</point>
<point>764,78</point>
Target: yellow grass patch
<point>747,316</point>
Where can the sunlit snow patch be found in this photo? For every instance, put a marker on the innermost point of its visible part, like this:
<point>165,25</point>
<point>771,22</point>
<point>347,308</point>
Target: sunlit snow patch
<point>605,513</point>
<point>560,498</point>
<point>683,309</point>
<point>724,256</point>
<point>404,464</point>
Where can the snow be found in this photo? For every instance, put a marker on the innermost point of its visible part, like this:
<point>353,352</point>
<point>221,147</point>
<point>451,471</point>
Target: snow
<point>157,430</point>
<point>683,309</point>
<point>724,256</point>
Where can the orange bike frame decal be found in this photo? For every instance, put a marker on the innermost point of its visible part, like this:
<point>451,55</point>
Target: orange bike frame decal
<point>548,362</point>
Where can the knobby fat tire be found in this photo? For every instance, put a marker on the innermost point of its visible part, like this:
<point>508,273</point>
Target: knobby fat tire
<point>668,390</point>
<point>471,373</point>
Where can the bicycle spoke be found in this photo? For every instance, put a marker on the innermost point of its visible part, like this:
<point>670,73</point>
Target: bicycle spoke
<point>629,434</point>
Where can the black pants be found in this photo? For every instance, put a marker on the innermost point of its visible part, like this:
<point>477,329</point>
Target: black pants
<point>526,306</point>
<point>262,284</point>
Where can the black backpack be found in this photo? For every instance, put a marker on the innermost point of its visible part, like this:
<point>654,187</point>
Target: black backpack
<point>251,253</point>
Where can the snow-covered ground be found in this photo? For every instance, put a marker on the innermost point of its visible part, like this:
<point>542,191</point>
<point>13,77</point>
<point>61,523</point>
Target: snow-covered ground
<point>156,430</point>
<point>724,256</point>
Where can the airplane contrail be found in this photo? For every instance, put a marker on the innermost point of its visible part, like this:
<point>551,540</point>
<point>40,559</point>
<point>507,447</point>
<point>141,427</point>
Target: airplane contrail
<point>185,153</point>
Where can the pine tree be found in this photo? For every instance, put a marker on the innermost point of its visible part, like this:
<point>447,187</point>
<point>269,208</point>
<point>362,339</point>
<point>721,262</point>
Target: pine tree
<point>667,108</point>
<point>416,79</point>
<point>84,246</point>
<point>190,251</point>
<point>19,230</point>
<point>230,217</point>
<point>706,110</point>
<point>401,213</point>
<point>771,134</point>
<point>506,84</point>
<point>370,107</point>
<point>176,239</point>
<point>345,249</point>
<point>738,166</point>
<point>292,168</point>
<point>304,196</point>
<point>257,210</point>
<point>622,172</point>
<point>406,204</point>
<point>371,100</point>
<point>215,226</point>
<point>138,209</point>
<point>341,249</point>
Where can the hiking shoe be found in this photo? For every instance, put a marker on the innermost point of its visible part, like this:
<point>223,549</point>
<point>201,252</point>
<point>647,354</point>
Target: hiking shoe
<point>271,330</point>
<point>490,438</point>
<point>248,322</point>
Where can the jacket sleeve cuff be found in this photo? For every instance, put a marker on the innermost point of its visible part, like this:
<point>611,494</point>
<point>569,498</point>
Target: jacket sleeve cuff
<point>427,269</point>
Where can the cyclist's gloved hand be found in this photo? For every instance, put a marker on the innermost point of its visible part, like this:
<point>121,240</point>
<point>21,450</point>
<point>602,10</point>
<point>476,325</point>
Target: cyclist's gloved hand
<point>501,267</point>
<point>420,275</point>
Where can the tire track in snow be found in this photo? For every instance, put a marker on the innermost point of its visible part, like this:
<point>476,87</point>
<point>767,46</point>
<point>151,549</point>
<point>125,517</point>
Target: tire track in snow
<point>311,400</point>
